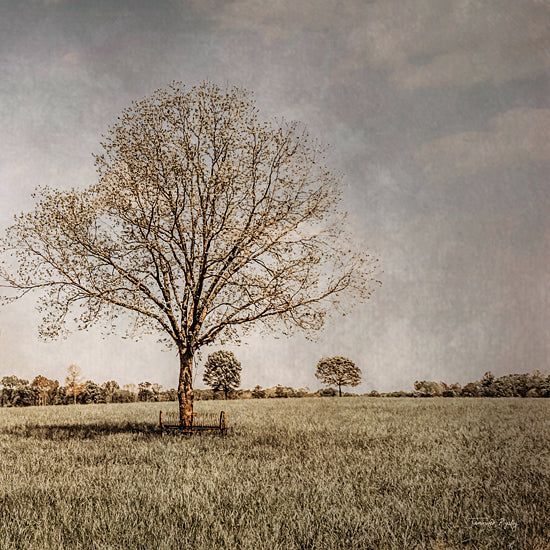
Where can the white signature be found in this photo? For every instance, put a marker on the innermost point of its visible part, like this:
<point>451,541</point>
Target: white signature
<point>500,523</point>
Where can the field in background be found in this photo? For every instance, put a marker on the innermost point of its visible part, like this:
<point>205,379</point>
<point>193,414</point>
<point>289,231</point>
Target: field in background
<point>293,473</point>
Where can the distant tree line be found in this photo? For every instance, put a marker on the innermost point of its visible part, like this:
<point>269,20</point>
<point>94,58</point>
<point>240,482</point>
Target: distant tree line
<point>16,392</point>
<point>222,373</point>
<point>274,392</point>
<point>535,384</point>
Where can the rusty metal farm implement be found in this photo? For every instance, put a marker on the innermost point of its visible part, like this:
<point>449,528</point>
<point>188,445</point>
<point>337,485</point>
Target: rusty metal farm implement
<point>204,422</point>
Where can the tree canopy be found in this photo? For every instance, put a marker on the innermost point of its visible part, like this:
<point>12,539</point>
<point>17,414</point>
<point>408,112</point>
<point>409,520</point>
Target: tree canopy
<point>45,388</point>
<point>222,371</point>
<point>338,371</point>
<point>205,220</point>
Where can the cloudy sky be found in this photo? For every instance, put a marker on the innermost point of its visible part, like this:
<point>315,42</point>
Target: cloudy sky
<point>437,113</point>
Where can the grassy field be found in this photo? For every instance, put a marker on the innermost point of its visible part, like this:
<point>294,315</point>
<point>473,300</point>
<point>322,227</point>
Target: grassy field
<point>292,473</point>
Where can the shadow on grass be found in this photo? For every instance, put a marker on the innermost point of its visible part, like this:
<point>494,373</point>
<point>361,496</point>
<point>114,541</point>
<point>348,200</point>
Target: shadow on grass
<point>59,432</point>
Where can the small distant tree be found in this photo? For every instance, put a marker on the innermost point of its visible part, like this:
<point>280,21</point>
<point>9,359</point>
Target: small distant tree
<point>91,393</point>
<point>10,384</point>
<point>74,382</point>
<point>25,396</point>
<point>284,391</point>
<point>60,396</point>
<point>123,396</point>
<point>429,388</point>
<point>338,371</point>
<point>109,389</point>
<point>144,391</point>
<point>472,389</point>
<point>488,379</point>
<point>157,390</point>
<point>45,389</point>
<point>545,386</point>
<point>130,388</point>
<point>258,393</point>
<point>451,390</point>
<point>489,387</point>
<point>168,395</point>
<point>222,371</point>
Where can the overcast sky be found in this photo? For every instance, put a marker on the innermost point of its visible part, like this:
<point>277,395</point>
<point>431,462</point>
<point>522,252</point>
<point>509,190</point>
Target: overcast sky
<point>437,113</point>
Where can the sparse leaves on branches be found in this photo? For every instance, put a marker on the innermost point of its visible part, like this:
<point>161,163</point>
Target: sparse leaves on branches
<point>205,221</point>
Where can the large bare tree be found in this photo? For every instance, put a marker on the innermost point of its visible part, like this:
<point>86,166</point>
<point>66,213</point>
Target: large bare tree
<point>205,220</point>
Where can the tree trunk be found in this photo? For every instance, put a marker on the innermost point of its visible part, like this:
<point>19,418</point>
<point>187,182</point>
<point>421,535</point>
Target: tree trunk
<point>339,390</point>
<point>185,389</point>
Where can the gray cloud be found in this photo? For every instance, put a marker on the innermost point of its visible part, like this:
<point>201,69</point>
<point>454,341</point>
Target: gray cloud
<point>422,43</point>
<point>516,136</point>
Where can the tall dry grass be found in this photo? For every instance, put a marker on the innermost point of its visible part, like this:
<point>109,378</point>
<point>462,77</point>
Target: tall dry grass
<point>292,473</point>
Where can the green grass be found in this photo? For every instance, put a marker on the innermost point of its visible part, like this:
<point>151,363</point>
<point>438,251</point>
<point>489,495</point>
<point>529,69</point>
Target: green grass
<point>292,473</point>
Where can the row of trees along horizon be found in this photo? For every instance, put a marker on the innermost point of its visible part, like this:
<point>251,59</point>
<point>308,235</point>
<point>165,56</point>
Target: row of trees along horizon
<point>16,392</point>
<point>222,373</point>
